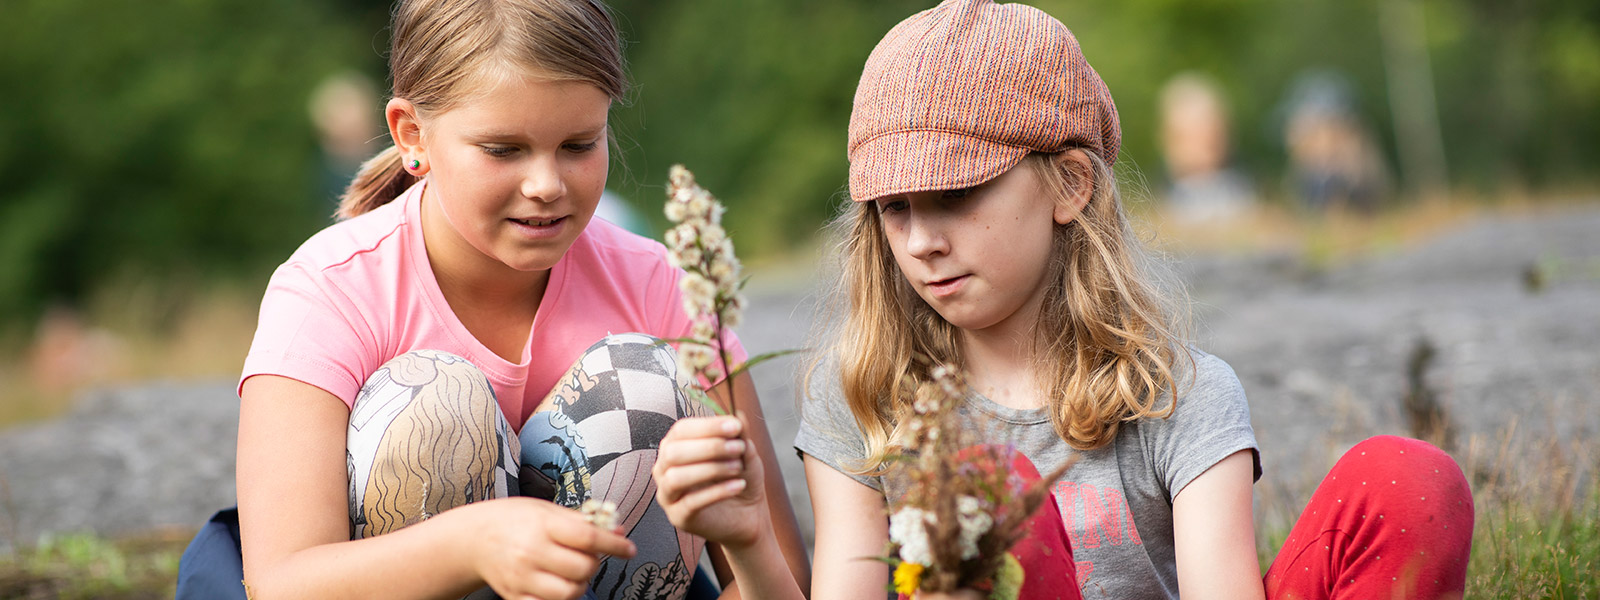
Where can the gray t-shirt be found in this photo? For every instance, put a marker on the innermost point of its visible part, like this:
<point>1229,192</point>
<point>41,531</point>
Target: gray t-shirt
<point>1117,500</point>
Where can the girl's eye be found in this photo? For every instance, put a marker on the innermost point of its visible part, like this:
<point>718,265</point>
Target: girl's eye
<point>891,206</point>
<point>956,194</point>
<point>583,147</point>
<point>499,151</point>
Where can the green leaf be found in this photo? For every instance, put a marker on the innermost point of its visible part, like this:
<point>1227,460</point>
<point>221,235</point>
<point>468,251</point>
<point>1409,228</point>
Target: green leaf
<point>699,395</point>
<point>763,357</point>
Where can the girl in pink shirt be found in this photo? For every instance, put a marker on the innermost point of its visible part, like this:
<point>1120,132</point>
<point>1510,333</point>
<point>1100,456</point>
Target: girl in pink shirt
<point>486,354</point>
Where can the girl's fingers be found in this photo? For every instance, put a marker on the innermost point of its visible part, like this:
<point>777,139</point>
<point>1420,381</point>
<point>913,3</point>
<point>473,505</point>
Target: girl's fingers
<point>568,563</point>
<point>676,482</point>
<point>697,500</point>
<point>705,427</point>
<point>687,451</point>
<point>579,535</point>
<point>547,586</point>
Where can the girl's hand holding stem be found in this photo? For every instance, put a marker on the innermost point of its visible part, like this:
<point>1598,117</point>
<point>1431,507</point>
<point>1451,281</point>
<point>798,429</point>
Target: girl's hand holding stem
<point>709,481</point>
<point>533,549</point>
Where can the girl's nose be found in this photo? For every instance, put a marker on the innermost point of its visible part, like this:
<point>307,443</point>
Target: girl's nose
<point>543,181</point>
<point>925,238</point>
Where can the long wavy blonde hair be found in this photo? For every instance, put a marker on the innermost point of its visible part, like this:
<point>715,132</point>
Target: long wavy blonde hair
<point>1107,338</point>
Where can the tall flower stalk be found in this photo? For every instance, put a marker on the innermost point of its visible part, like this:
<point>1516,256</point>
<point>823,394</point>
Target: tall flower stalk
<point>711,285</point>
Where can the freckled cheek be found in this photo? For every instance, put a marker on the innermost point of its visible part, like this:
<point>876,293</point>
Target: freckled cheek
<point>588,177</point>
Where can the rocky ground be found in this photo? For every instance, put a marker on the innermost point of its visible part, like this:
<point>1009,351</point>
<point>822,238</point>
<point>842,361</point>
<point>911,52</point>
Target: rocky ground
<point>1493,324</point>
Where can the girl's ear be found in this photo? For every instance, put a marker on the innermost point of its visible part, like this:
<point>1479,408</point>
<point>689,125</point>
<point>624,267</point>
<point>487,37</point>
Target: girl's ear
<point>1075,166</point>
<point>405,128</point>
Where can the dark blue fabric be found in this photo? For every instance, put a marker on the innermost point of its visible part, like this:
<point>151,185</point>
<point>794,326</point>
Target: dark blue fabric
<point>702,588</point>
<point>211,567</point>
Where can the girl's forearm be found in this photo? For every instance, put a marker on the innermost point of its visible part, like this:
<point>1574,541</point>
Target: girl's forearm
<point>760,570</point>
<point>430,559</point>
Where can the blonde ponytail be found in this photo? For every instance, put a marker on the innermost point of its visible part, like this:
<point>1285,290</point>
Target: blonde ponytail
<point>381,179</point>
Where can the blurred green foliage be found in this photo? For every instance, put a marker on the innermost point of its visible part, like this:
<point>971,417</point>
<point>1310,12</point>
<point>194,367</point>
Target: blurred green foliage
<point>170,139</point>
<point>163,139</point>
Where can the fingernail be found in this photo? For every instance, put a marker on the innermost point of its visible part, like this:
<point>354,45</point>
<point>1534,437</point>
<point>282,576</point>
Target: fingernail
<point>732,465</point>
<point>730,426</point>
<point>736,485</point>
<point>735,446</point>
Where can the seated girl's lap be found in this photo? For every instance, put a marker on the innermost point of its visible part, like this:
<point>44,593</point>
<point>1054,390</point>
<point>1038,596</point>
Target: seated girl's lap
<point>427,435</point>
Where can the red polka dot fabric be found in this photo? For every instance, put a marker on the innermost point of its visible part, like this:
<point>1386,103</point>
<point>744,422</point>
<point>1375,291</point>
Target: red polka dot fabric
<point>1393,519</point>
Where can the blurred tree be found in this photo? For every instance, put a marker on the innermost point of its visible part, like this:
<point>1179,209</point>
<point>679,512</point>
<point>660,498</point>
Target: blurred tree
<point>161,140</point>
<point>171,139</point>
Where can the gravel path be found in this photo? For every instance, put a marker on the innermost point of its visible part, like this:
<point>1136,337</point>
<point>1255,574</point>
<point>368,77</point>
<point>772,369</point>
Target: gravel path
<point>1323,355</point>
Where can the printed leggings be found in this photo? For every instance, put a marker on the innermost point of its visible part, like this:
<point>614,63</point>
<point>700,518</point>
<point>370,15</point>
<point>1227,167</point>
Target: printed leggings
<point>1393,519</point>
<point>426,435</point>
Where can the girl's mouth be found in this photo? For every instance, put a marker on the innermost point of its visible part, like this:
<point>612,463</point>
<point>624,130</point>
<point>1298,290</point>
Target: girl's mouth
<point>946,287</point>
<point>538,222</point>
<point>539,229</point>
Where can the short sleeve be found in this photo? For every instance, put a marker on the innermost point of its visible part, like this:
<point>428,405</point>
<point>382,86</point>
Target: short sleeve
<point>829,432</point>
<point>305,333</point>
<point>1210,423</point>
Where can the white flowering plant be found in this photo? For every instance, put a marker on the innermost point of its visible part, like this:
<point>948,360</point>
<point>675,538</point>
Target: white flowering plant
<point>964,508</point>
<point>712,285</point>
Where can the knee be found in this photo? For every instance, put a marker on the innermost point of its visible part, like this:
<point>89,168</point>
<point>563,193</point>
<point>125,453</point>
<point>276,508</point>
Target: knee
<point>428,367</point>
<point>635,352</point>
<point>1416,466</point>
<point>634,379</point>
<point>428,380</point>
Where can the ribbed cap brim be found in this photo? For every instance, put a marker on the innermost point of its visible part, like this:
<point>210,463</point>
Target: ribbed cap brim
<point>923,160</point>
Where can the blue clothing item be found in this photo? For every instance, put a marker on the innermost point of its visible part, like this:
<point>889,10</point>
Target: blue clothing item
<point>211,567</point>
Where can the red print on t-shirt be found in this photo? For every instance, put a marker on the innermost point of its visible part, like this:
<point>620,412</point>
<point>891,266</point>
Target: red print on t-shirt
<point>1094,516</point>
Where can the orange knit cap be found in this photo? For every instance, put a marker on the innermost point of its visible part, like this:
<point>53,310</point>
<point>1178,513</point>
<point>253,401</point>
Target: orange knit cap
<point>957,94</point>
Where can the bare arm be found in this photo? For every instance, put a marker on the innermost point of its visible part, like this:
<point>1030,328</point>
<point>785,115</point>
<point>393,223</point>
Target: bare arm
<point>1214,533</point>
<point>851,526</point>
<point>294,521</point>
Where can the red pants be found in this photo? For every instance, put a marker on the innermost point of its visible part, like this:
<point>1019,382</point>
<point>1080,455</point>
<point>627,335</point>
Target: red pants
<point>1393,519</point>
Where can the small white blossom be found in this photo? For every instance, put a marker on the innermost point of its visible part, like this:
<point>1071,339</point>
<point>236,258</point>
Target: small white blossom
<point>702,330</point>
<point>686,258</point>
<point>675,211</point>
<point>712,235</point>
<point>974,523</point>
<point>733,313</point>
<point>698,292</point>
<point>908,527</point>
<point>700,207</point>
<point>602,514</point>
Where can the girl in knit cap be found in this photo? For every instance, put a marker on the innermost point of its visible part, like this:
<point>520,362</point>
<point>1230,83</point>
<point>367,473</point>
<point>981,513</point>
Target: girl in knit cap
<point>987,233</point>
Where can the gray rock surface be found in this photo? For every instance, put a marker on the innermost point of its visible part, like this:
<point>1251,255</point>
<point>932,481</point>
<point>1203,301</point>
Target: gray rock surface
<point>1323,356</point>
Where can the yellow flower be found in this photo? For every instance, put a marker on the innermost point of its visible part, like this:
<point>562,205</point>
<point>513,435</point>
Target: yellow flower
<point>907,577</point>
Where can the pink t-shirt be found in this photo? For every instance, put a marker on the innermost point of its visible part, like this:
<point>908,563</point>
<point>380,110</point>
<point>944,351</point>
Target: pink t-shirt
<point>361,292</point>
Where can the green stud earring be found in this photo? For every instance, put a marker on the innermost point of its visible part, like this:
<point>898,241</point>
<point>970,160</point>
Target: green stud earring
<point>415,164</point>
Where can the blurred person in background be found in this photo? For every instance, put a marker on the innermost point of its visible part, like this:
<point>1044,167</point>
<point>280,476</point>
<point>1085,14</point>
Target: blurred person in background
<point>1334,161</point>
<point>344,111</point>
<point>1195,145</point>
